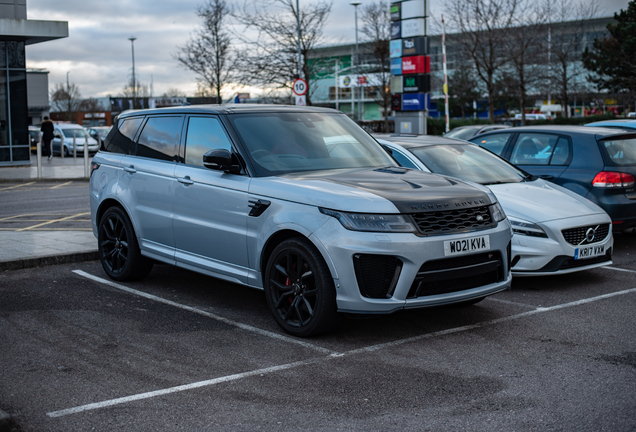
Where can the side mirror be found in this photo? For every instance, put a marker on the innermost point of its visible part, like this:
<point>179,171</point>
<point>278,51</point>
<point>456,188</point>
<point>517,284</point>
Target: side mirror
<point>221,160</point>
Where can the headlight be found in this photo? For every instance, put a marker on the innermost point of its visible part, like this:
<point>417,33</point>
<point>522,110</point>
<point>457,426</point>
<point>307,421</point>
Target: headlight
<point>372,222</point>
<point>497,212</point>
<point>527,228</point>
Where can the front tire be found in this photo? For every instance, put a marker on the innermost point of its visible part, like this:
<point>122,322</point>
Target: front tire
<point>299,289</point>
<point>118,248</point>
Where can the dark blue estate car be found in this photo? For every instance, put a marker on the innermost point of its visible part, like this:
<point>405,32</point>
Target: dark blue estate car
<point>595,162</point>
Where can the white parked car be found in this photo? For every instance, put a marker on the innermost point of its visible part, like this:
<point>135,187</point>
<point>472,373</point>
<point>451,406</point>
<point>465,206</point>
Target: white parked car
<point>555,230</point>
<point>64,133</point>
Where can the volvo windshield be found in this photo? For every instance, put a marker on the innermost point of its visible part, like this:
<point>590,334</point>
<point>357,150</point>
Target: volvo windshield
<point>468,162</point>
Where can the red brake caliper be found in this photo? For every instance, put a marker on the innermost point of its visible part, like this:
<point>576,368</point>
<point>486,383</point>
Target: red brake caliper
<point>288,282</point>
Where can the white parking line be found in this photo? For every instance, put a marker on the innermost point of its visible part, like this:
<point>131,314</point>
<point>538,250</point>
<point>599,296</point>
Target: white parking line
<point>510,302</point>
<point>619,269</point>
<point>207,314</point>
<point>185,387</point>
<point>334,355</point>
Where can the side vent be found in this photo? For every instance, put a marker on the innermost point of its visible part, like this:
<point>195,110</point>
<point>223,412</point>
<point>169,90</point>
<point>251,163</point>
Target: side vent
<point>258,207</point>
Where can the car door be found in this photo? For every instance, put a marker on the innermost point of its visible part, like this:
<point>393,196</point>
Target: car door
<point>148,183</point>
<point>211,206</point>
<point>545,155</point>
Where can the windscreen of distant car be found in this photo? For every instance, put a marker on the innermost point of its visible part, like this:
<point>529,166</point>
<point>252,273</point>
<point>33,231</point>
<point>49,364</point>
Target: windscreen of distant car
<point>620,152</point>
<point>79,133</point>
<point>468,162</point>
<point>462,133</point>
<point>287,142</point>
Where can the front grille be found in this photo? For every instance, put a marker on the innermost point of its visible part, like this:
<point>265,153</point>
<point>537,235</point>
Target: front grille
<point>576,236</point>
<point>453,221</point>
<point>457,274</point>
<point>377,275</point>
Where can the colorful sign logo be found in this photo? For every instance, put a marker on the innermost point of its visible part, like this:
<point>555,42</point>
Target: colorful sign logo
<point>396,66</point>
<point>416,64</point>
<point>395,48</point>
<point>396,29</point>
<point>414,101</point>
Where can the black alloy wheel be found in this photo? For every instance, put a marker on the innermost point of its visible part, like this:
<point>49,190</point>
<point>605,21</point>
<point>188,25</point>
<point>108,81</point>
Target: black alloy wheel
<point>300,290</point>
<point>118,248</point>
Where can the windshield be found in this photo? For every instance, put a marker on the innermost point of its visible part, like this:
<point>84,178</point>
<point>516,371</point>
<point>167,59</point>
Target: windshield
<point>78,132</point>
<point>468,162</point>
<point>620,151</point>
<point>280,143</point>
<point>462,133</point>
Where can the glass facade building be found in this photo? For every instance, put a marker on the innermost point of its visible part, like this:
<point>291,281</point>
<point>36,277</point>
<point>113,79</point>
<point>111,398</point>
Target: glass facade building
<point>16,32</point>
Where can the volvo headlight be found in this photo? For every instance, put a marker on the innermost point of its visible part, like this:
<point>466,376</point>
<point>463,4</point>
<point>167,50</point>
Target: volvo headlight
<point>497,212</point>
<point>526,228</point>
<point>372,222</point>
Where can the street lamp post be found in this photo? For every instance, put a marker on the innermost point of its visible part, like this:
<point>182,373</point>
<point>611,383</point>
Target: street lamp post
<point>357,61</point>
<point>134,82</point>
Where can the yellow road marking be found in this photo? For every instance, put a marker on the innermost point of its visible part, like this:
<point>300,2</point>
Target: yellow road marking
<point>60,185</point>
<point>17,186</point>
<point>52,221</point>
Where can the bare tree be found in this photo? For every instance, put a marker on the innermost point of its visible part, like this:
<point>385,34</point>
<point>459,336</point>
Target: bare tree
<point>376,30</point>
<point>208,54</point>
<point>524,41</point>
<point>138,91</point>
<point>481,24</point>
<point>270,32</point>
<point>173,92</point>
<point>90,105</point>
<point>565,37</point>
<point>66,98</point>
<point>463,88</point>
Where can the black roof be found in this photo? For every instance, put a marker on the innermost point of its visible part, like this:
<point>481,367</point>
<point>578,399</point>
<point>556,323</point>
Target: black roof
<point>228,109</point>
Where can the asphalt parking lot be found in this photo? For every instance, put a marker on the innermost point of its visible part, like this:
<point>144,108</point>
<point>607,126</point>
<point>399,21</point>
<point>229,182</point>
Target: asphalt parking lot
<point>181,351</point>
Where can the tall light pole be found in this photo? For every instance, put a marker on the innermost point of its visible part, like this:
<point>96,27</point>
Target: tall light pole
<point>300,70</point>
<point>357,60</point>
<point>134,82</point>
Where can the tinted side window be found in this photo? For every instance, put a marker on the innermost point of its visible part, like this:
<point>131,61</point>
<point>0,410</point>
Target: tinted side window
<point>561,152</point>
<point>494,143</point>
<point>160,138</point>
<point>537,148</point>
<point>204,134</point>
<point>120,137</point>
<point>403,160</point>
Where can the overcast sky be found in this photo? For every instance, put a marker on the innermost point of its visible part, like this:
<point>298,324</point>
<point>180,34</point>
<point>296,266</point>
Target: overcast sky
<point>97,52</point>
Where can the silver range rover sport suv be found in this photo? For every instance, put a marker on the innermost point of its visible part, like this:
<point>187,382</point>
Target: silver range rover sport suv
<point>299,202</point>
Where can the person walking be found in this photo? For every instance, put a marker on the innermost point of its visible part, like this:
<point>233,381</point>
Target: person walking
<point>47,136</point>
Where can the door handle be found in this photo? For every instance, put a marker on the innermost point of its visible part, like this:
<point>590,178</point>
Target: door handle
<point>185,180</point>
<point>131,169</point>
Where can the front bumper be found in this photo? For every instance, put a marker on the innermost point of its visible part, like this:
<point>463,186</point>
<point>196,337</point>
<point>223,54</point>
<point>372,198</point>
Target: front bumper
<point>341,246</point>
<point>537,256</point>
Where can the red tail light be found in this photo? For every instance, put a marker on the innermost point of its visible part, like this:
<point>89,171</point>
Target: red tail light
<point>609,179</point>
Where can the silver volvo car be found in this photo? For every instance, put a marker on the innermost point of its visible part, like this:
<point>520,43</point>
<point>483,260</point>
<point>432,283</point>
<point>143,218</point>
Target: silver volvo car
<point>299,202</point>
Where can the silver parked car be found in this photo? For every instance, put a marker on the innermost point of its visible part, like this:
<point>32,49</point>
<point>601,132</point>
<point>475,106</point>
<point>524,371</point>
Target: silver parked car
<point>298,202</point>
<point>555,230</point>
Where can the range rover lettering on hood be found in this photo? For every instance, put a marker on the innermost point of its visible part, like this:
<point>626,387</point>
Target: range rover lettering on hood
<point>411,191</point>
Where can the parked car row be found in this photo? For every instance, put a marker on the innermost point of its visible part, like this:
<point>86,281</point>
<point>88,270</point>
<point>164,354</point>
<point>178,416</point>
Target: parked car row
<point>302,203</point>
<point>66,134</point>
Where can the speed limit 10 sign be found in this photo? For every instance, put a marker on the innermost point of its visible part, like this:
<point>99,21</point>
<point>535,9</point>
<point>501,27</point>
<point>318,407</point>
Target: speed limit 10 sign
<point>300,87</point>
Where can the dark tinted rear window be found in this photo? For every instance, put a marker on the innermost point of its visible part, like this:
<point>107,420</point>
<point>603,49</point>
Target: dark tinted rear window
<point>620,152</point>
<point>160,138</point>
<point>120,138</point>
